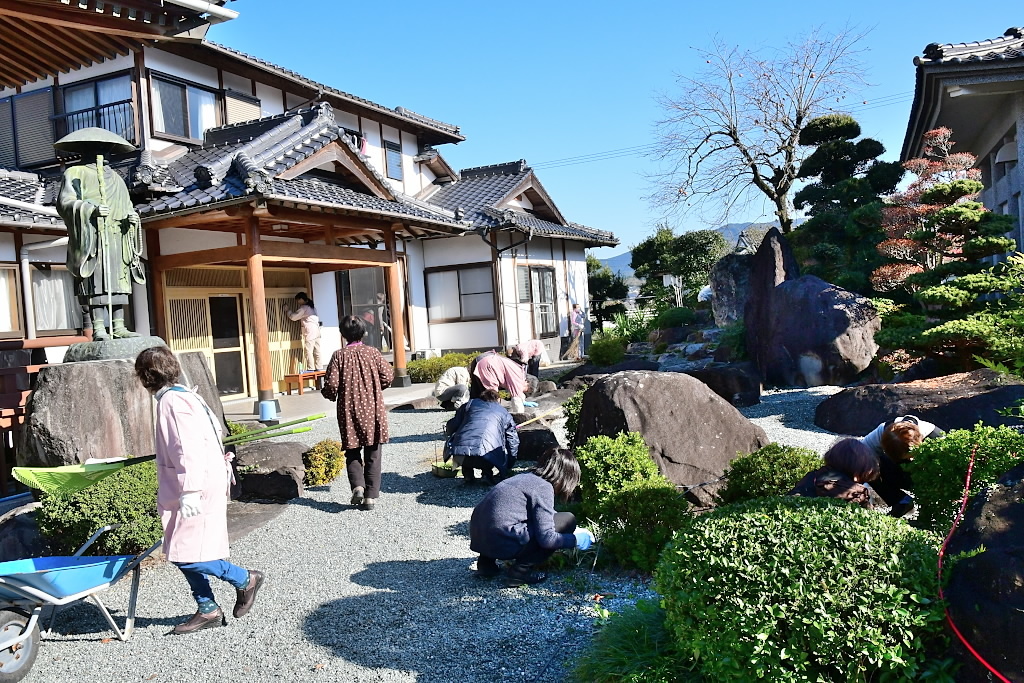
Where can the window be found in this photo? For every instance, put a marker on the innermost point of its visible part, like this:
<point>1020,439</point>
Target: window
<point>53,300</point>
<point>536,285</point>
<point>459,294</point>
<point>106,103</point>
<point>10,325</point>
<point>182,110</point>
<point>393,159</point>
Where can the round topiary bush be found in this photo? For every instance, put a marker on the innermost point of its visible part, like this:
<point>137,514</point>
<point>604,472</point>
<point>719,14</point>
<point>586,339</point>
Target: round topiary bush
<point>323,462</point>
<point>429,370</point>
<point>939,469</point>
<point>674,317</point>
<point>607,351</point>
<point>127,497</point>
<point>607,464</point>
<point>637,520</point>
<point>769,471</point>
<point>802,589</point>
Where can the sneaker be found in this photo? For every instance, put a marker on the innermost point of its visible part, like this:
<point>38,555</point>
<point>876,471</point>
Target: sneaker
<point>199,621</point>
<point>487,567</point>
<point>357,496</point>
<point>519,574</point>
<point>245,597</point>
<point>369,503</point>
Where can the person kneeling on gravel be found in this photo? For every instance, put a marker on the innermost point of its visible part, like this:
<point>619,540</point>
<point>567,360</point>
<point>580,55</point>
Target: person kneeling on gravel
<point>893,443</point>
<point>482,437</point>
<point>849,465</point>
<point>193,475</point>
<point>517,521</point>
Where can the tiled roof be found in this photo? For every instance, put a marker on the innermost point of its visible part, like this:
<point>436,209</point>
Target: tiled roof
<point>1007,47</point>
<point>21,197</point>
<point>480,190</point>
<point>324,192</point>
<point>399,112</point>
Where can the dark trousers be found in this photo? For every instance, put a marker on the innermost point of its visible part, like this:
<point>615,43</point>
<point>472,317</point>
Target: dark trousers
<point>363,467</point>
<point>476,462</point>
<point>891,482</point>
<point>532,553</point>
<point>533,366</point>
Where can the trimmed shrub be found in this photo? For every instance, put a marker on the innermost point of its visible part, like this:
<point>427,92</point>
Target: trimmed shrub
<point>607,464</point>
<point>634,647</point>
<point>607,351</point>
<point>429,370</point>
<point>637,520</point>
<point>674,317</point>
<point>769,471</point>
<point>802,589</point>
<point>734,338</point>
<point>127,497</point>
<point>571,408</point>
<point>939,469</point>
<point>236,428</point>
<point>323,462</point>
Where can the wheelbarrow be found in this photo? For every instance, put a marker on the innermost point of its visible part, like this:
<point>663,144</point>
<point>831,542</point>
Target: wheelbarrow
<point>27,586</point>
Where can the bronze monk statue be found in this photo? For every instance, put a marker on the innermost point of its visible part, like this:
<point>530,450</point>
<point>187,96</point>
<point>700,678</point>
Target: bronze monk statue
<point>104,231</point>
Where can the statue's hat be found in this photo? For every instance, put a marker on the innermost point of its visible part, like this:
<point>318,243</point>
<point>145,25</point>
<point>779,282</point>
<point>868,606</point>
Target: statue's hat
<point>93,140</point>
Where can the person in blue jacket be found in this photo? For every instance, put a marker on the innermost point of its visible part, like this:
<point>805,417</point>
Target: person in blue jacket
<point>482,437</point>
<point>517,521</point>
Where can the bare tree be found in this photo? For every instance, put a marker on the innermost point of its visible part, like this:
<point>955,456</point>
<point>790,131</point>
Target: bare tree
<point>735,125</point>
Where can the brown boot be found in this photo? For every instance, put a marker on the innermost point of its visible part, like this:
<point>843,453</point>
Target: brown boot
<point>199,621</point>
<point>247,596</point>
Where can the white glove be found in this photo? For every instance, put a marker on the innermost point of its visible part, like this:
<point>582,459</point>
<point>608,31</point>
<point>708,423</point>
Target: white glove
<point>190,503</point>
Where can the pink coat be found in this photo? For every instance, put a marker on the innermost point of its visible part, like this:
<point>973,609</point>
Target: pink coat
<point>498,372</point>
<point>190,457</point>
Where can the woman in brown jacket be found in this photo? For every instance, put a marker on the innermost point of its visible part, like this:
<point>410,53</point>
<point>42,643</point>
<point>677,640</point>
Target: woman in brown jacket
<point>356,378</point>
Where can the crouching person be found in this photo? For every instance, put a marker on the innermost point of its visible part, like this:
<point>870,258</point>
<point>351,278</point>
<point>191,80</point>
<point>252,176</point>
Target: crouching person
<point>517,521</point>
<point>849,464</point>
<point>893,443</point>
<point>483,437</point>
<point>192,491</point>
<point>452,388</point>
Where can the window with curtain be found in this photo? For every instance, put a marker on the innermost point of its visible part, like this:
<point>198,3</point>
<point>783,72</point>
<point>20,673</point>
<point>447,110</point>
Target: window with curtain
<point>105,103</point>
<point>53,300</point>
<point>460,294</point>
<point>535,285</point>
<point>181,109</point>
<point>9,322</point>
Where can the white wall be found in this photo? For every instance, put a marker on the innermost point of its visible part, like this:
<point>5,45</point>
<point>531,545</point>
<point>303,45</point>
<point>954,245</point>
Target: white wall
<point>374,149</point>
<point>181,240</point>
<point>325,295</point>
<point>452,251</point>
<point>119,63</point>
<point>410,169</point>
<point>7,252</point>
<point>346,120</point>
<point>48,255</point>
<point>37,85</point>
<point>417,295</point>
<point>479,335</point>
<point>271,100</point>
<point>237,83</point>
<point>183,68</point>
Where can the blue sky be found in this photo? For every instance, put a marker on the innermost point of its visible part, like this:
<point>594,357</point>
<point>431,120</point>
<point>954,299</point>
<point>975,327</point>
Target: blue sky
<point>549,81</point>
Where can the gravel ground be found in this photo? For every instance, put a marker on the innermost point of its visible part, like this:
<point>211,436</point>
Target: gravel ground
<point>371,596</point>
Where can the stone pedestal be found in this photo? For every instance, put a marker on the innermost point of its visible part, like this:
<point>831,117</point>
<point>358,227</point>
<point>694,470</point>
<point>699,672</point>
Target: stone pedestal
<point>114,349</point>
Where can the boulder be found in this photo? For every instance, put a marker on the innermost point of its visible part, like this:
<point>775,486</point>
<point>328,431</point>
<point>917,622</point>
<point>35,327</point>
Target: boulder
<point>195,374</point>
<point>89,409</point>
<point>692,433</point>
<point>815,334</point>
<point>984,596</point>
<point>671,335</point>
<point>772,264</point>
<point>19,534</point>
<point>111,349</point>
<point>952,402</point>
<point>536,439</point>
<point>545,387</point>
<point>567,380</point>
<point>737,383</point>
<point>730,287</point>
<point>270,470</point>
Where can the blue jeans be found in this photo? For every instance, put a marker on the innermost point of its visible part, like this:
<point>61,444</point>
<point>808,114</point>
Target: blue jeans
<point>196,573</point>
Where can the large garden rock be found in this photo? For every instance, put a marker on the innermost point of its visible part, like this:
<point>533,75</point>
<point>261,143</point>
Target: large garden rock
<point>730,287</point>
<point>737,383</point>
<point>815,333</point>
<point>692,433</point>
<point>772,264</point>
<point>952,402</point>
<point>588,373</point>
<point>195,374</point>
<point>19,534</point>
<point>984,593</point>
<point>270,470</point>
<point>536,439</point>
<point>89,409</point>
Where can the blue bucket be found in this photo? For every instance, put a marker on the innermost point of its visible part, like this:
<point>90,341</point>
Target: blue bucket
<point>268,410</point>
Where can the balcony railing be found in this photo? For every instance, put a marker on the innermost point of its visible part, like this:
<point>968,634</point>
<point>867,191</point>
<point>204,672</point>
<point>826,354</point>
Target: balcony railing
<point>117,117</point>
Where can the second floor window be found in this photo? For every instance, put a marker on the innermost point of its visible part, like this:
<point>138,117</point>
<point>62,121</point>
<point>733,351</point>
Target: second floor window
<point>106,103</point>
<point>182,110</point>
<point>393,159</point>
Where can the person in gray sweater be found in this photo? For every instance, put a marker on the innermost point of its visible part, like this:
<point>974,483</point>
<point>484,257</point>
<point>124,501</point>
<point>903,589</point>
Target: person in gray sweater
<point>517,521</point>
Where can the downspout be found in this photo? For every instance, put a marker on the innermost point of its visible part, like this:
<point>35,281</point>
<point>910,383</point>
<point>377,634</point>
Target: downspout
<point>216,13</point>
<point>26,281</point>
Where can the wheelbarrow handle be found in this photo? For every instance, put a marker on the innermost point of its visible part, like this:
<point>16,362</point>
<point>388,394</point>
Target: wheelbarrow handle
<point>92,539</point>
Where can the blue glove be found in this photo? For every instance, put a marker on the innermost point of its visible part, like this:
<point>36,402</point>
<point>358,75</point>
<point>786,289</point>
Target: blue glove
<point>530,404</point>
<point>584,539</point>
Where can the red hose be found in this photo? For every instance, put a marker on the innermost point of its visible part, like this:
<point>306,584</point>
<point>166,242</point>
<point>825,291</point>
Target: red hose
<point>942,553</point>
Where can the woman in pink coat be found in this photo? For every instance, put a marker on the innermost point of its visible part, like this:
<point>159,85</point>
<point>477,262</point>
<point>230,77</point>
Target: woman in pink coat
<point>193,486</point>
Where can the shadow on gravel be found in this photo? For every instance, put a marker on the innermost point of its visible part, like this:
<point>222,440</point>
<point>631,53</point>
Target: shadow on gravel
<point>86,621</point>
<point>321,505</point>
<point>419,438</point>
<point>431,490</point>
<point>436,620</point>
<point>459,529</point>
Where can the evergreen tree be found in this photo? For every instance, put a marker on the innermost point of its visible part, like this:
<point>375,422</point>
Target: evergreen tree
<point>607,291</point>
<point>837,243</point>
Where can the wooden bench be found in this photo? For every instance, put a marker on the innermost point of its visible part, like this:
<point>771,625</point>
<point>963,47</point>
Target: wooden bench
<point>299,379</point>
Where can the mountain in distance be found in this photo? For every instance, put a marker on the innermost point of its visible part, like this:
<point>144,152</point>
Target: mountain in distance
<point>620,264</point>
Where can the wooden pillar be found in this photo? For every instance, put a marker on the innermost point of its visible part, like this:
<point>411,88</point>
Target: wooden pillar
<point>396,302</point>
<point>153,254</point>
<point>260,323</point>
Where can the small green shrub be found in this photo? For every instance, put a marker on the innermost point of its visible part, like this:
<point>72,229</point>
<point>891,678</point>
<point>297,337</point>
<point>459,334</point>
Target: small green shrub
<point>769,471</point>
<point>633,327</point>
<point>802,589</point>
<point>324,461</point>
<point>571,408</point>
<point>607,464</point>
<point>127,497</point>
<point>674,317</point>
<point>734,338</point>
<point>634,647</point>
<point>939,469</point>
<point>660,348</point>
<point>235,428</point>
<point>429,370</point>
<point>637,520</point>
<point>607,350</point>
